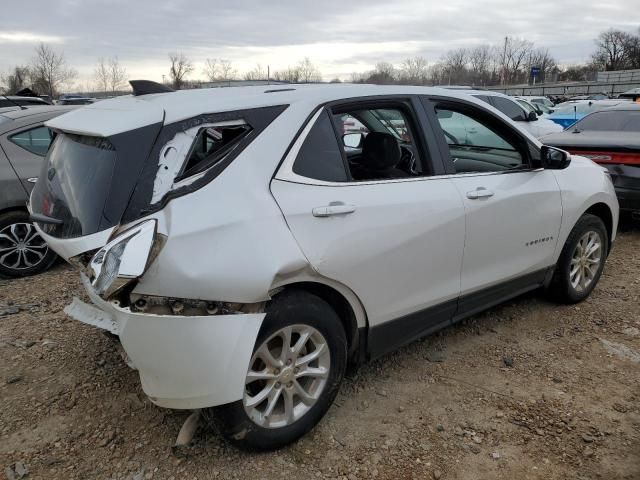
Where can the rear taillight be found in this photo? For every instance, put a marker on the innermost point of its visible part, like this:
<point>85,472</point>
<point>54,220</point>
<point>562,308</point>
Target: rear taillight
<point>624,158</point>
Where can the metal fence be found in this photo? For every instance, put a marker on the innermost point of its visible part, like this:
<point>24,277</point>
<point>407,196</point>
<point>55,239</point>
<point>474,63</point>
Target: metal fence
<point>619,76</point>
<point>612,88</point>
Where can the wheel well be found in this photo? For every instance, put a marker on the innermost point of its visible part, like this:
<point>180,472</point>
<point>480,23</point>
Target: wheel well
<point>13,209</point>
<point>340,304</point>
<point>602,211</point>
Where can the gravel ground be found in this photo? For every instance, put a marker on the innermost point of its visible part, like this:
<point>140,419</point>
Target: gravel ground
<point>527,390</point>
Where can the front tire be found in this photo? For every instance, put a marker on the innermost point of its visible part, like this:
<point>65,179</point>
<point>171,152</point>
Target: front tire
<point>22,251</point>
<point>581,261</point>
<point>298,363</point>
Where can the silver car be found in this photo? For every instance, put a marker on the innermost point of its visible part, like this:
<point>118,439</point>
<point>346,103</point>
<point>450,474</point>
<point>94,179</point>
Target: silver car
<point>24,141</point>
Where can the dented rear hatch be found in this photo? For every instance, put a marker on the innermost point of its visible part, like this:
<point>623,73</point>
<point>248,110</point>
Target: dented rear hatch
<point>93,165</point>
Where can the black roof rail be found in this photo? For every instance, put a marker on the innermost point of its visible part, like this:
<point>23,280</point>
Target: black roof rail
<point>147,87</point>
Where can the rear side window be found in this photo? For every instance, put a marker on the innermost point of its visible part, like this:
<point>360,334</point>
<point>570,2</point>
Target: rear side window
<point>509,108</point>
<point>320,156</point>
<point>36,140</point>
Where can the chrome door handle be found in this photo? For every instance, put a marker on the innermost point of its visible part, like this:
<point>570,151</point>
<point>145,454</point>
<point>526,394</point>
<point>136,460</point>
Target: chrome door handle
<point>32,179</point>
<point>334,208</point>
<point>479,192</point>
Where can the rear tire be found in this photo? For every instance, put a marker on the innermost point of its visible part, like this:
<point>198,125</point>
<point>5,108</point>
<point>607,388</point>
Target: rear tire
<point>22,251</point>
<point>287,412</point>
<point>581,261</point>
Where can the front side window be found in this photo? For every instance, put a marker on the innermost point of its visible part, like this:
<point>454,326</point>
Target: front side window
<point>475,146</point>
<point>509,108</point>
<point>379,143</point>
<point>35,140</point>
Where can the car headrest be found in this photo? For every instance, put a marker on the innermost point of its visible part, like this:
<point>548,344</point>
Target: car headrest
<point>380,151</point>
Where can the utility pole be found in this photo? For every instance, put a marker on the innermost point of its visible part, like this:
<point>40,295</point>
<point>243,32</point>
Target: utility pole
<point>504,59</point>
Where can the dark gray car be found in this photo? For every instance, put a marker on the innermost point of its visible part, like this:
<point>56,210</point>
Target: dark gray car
<point>24,141</point>
<point>610,137</point>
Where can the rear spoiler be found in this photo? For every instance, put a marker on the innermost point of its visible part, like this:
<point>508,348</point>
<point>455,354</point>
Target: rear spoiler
<point>147,87</point>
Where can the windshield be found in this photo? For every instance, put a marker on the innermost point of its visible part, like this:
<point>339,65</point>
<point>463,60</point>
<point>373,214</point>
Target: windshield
<point>526,106</point>
<point>616,120</point>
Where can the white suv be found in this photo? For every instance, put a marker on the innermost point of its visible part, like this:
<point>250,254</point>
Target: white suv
<point>244,256</point>
<point>527,120</point>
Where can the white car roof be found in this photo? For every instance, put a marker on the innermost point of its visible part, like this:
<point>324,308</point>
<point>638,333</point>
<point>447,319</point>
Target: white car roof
<point>488,93</point>
<point>129,112</point>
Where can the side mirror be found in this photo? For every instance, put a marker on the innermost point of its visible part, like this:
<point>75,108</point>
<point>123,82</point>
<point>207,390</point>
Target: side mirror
<point>553,158</point>
<point>532,117</point>
<point>352,140</point>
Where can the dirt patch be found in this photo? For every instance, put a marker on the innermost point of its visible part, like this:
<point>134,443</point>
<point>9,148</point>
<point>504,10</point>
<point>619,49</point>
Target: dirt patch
<point>528,390</point>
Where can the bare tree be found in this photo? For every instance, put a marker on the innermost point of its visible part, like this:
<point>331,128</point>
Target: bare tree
<point>291,74</point>
<point>454,63</point>
<point>414,71</point>
<point>384,73</point>
<point>117,75</point>
<point>211,69</point>
<point>16,80</point>
<point>480,63</point>
<point>257,73</point>
<point>616,50</point>
<point>515,55</point>
<point>101,74</point>
<point>227,72</point>
<point>357,77</point>
<point>308,72</point>
<point>181,66</point>
<point>50,70</point>
<point>577,73</point>
<point>542,59</point>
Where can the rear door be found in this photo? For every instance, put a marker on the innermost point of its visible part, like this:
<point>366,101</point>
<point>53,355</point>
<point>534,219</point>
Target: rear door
<point>396,242</point>
<point>513,211</point>
<point>26,147</point>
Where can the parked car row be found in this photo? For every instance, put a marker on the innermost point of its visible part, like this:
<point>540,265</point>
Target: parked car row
<point>24,142</point>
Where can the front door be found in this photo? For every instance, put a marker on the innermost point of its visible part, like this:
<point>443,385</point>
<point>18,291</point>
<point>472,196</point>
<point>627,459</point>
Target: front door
<point>513,211</point>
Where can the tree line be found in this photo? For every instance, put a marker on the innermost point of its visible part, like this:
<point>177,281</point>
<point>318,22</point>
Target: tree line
<point>507,63</point>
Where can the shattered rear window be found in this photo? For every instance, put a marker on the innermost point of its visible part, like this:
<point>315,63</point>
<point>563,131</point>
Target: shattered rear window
<point>210,146</point>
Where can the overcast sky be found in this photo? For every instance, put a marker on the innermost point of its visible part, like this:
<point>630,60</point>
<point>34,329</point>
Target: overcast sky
<point>340,36</point>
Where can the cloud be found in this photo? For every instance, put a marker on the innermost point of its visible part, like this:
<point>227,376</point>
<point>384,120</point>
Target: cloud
<point>28,37</point>
<point>337,35</point>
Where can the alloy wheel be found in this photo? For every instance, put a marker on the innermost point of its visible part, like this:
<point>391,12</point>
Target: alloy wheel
<point>585,261</point>
<point>21,247</point>
<point>286,377</point>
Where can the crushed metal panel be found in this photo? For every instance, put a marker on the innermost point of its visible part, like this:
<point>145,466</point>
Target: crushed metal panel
<point>85,313</point>
<point>173,155</point>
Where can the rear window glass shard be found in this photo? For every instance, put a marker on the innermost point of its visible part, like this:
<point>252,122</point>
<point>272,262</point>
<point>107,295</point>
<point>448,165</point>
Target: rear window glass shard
<point>193,151</point>
<point>211,145</point>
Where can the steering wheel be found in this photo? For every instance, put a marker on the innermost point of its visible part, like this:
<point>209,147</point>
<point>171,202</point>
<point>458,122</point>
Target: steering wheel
<point>451,137</point>
<point>409,159</point>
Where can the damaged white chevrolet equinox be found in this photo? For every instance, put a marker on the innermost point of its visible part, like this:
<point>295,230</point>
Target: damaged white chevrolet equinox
<point>245,244</point>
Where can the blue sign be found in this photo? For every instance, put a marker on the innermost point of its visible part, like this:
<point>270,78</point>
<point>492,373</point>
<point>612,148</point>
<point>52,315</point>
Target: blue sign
<point>535,71</point>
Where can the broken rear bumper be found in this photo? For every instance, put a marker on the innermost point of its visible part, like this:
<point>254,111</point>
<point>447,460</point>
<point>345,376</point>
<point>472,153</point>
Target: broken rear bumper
<point>184,361</point>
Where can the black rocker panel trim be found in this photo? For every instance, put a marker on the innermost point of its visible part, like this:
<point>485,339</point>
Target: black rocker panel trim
<point>393,334</point>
